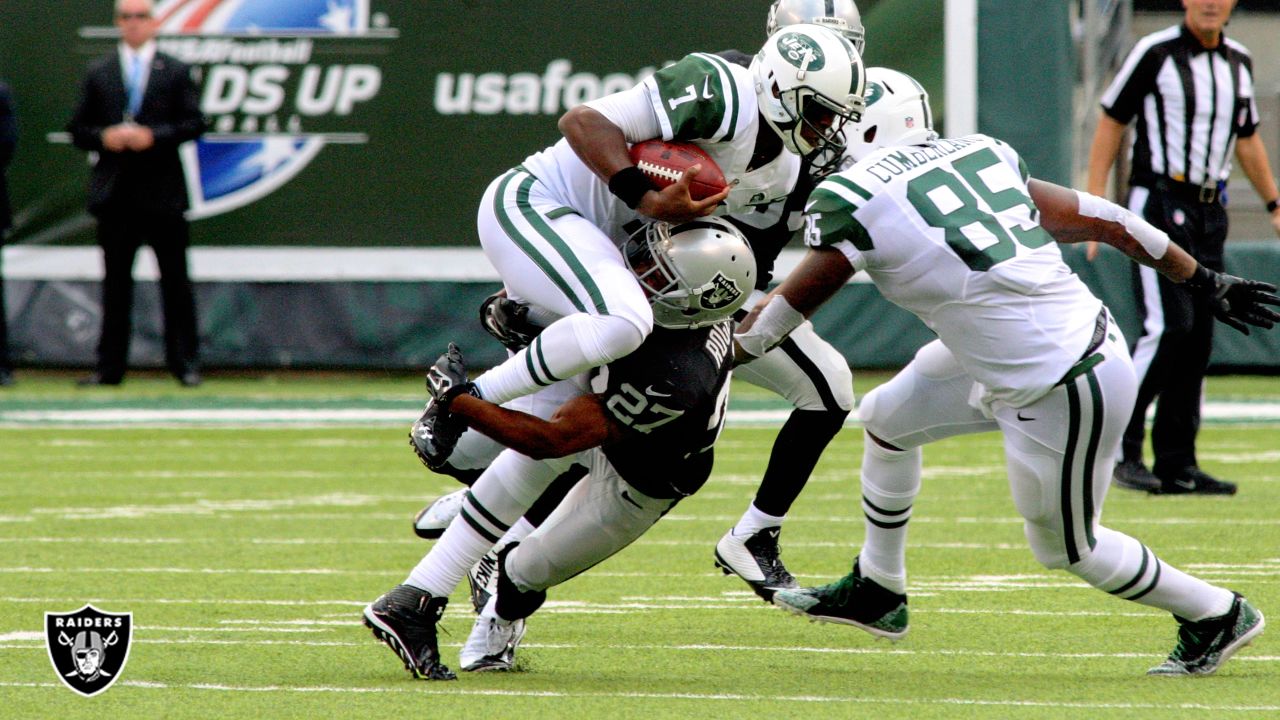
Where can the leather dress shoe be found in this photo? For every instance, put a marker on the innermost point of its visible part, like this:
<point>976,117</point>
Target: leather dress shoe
<point>190,378</point>
<point>1133,475</point>
<point>97,379</point>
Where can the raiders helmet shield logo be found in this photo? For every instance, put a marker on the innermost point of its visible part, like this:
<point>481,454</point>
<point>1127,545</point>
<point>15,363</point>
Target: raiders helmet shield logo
<point>723,292</point>
<point>88,647</point>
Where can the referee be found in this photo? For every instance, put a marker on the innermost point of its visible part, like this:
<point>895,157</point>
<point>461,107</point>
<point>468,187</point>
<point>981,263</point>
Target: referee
<point>1192,92</point>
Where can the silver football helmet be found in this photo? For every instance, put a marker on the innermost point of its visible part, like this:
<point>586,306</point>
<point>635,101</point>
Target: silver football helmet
<point>695,274</point>
<point>809,82</point>
<point>897,113</point>
<point>839,15</point>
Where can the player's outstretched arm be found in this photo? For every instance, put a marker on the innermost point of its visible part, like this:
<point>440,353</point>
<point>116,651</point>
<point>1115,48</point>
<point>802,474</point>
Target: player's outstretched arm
<point>1071,217</point>
<point>580,424</point>
<point>819,275</point>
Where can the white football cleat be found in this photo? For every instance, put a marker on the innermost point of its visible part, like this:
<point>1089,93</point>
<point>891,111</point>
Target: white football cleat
<point>431,521</point>
<point>491,645</point>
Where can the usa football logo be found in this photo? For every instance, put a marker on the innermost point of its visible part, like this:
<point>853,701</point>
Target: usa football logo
<point>88,647</point>
<point>274,102</point>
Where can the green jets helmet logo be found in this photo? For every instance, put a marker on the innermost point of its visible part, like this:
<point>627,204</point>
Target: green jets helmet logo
<point>802,51</point>
<point>875,91</point>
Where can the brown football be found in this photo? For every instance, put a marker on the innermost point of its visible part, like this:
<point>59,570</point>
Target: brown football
<point>664,162</point>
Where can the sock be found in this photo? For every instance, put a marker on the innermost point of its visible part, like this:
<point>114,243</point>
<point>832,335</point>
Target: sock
<point>890,483</point>
<point>1125,568</point>
<point>571,345</point>
<point>478,526</point>
<point>795,453</point>
<point>753,521</point>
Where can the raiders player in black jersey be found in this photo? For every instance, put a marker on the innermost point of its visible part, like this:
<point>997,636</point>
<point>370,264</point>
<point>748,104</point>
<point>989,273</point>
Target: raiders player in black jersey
<point>644,427</point>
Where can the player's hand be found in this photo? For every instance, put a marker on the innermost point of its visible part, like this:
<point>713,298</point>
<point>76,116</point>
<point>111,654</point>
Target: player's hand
<point>447,378</point>
<point>674,204</point>
<point>1091,250</point>
<point>1238,302</point>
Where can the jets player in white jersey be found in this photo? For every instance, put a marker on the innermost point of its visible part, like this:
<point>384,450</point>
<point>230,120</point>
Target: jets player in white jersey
<point>805,369</point>
<point>954,231</point>
<point>552,225</point>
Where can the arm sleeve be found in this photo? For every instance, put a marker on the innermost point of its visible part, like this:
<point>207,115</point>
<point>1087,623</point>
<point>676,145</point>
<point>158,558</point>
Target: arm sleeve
<point>631,111</point>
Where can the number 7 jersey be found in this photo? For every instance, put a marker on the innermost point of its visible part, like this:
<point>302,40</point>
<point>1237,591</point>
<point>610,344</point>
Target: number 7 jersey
<point>947,230</point>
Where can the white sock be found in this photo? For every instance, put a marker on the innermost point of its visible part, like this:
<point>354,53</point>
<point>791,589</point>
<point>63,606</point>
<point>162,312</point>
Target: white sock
<point>1124,567</point>
<point>477,528</point>
<point>571,345</point>
<point>890,483</point>
<point>753,521</point>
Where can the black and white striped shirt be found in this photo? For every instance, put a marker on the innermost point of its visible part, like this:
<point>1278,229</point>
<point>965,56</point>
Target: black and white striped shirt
<point>1191,104</point>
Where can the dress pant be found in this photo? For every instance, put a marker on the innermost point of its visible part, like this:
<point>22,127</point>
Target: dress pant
<point>121,235</point>
<point>1172,352</point>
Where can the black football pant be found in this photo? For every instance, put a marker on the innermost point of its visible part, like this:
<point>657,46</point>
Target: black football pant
<point>1177,333</point>
<point>120,237</point>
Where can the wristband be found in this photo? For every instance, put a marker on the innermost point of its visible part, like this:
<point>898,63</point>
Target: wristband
<point>1272,205</point>
<point>630,184</point>
<point>772,326</point>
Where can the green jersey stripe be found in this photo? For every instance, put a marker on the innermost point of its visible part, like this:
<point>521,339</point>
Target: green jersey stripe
<point>521,242</point>
<point>731,99</point>
<point>1068,473</point>
<point>830,219</point>
<point>851,185</point>
<point>1091,454</point>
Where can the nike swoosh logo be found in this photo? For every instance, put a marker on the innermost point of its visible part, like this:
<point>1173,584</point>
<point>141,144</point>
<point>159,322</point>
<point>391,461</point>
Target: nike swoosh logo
<point>650,391</point>
<point>627,497</point>
<point>1185,484</point>
<point>1024,419</point>
<point>706,88</point>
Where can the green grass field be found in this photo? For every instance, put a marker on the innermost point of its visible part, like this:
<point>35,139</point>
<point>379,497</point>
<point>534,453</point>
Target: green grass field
<point>246,553</point>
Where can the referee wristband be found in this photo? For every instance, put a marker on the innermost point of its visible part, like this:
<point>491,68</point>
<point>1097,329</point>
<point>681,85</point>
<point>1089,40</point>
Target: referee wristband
<point>1272,205</point>
<point>630,184</point>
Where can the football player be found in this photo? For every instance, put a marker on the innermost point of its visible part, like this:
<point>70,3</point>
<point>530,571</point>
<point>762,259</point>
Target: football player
<point>955,231</point>
<point>644,427</point>
<point>552,225</point>
<point>805,369</point>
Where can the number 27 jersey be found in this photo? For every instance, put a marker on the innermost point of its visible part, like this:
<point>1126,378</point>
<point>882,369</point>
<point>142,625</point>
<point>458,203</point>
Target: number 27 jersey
<point>947,230</point>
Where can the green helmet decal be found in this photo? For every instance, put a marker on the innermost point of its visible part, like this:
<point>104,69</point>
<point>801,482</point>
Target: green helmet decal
<point>875,91</point>
<point>802,51</point>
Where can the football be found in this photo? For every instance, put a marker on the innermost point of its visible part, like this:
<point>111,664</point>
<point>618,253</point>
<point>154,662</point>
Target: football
<point>664,162</point>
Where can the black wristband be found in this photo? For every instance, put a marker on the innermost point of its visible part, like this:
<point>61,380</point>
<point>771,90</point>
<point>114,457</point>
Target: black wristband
<point>1202,280</point>
<point>1272,205</point>
<point>630,184</point>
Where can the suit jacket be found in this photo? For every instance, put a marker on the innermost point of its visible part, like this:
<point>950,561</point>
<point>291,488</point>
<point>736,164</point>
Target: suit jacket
<point>8,141</point>
<point>151,181</point>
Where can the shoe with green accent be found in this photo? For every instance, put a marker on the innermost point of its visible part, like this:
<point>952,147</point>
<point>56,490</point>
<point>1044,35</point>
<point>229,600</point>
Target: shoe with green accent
<point>1205,645</point>
<point>851,600</point>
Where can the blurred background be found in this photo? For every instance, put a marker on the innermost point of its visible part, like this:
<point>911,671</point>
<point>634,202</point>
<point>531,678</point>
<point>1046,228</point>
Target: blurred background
<point>334,197</point>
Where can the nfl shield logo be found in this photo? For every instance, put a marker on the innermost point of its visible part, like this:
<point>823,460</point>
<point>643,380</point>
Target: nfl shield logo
<point>88,647</point>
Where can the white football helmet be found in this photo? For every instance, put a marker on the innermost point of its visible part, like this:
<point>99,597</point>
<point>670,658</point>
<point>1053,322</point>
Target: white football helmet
<point>809,81</point>
<point>839,15</point>
<point>695,274</point>
<point>897,113</point>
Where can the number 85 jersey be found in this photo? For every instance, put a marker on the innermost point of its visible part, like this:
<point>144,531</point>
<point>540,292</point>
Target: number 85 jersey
<point>947,230</point>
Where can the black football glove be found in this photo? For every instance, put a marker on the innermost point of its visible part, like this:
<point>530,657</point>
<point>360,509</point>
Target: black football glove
<point>508,322</point>
<point>436,433</point>
<point>1236,301</point>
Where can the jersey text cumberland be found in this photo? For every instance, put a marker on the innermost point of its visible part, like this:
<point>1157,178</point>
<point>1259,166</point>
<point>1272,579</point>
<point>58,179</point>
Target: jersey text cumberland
<point>910,158</point>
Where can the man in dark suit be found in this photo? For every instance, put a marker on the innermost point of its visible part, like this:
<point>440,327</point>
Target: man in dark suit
<point>136,107</point>
<point>8,141</point>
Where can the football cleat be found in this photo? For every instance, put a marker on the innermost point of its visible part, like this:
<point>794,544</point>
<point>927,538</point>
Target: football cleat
<point>483,579</point>
<point>1203,646</point>
<point>432,520</point>
<point>491,645</point>
<point>755,559</point>
<point>405,618</point>
<point>851,600</point>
